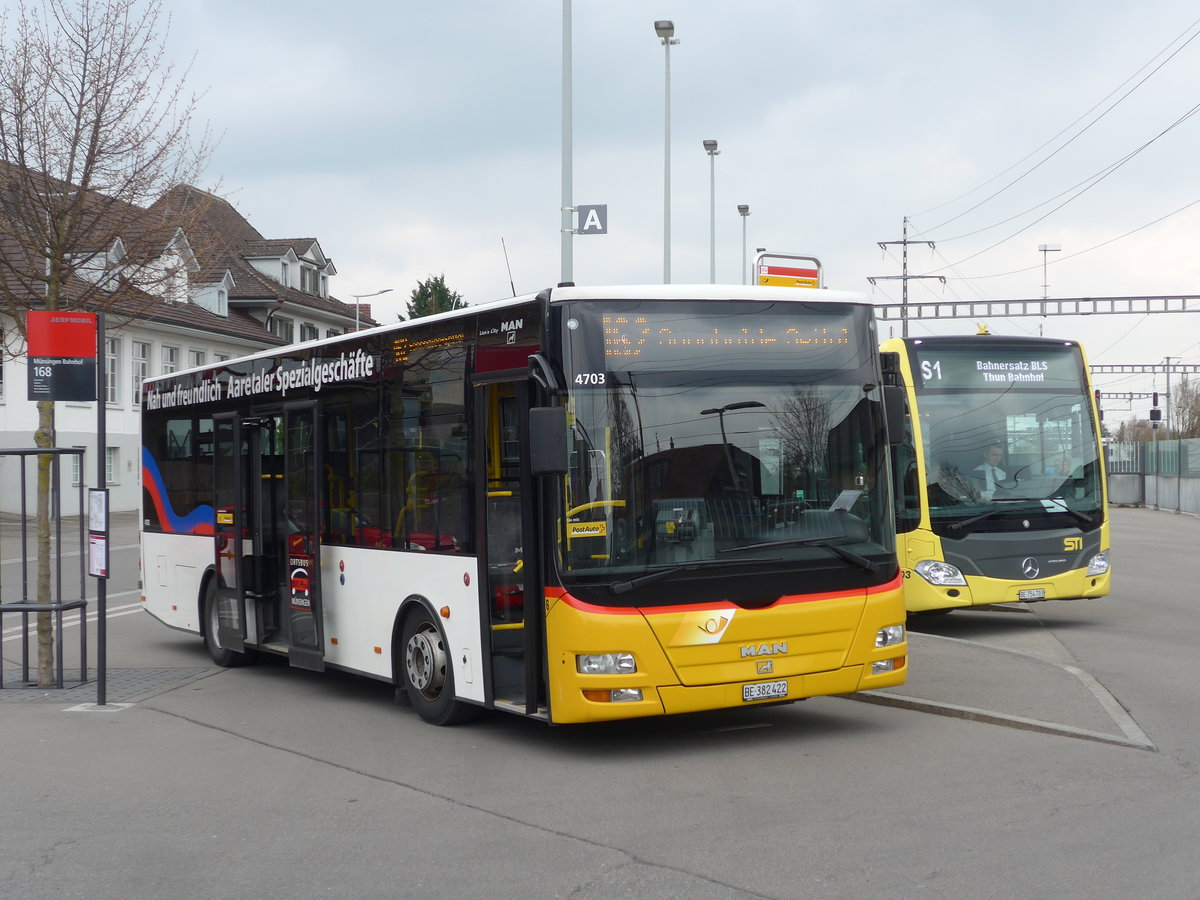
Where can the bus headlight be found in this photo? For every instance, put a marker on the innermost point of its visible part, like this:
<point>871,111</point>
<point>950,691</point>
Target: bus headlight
<point>889,635</point>
<point>1098,564</point>
<point>940,573</point>
<point>605,663</point>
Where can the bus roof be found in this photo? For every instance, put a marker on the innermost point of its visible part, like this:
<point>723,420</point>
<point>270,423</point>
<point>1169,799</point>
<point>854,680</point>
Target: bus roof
<point>702,292</point>
<point>569,293</point>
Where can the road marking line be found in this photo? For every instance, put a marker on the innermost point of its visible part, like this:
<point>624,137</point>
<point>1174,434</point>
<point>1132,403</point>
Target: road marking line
<point>994,718</point>
<point>13,632</point>
<point>12,561</point>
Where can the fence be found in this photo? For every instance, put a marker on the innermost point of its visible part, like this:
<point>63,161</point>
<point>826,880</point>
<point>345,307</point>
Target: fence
<point>1161,474</point>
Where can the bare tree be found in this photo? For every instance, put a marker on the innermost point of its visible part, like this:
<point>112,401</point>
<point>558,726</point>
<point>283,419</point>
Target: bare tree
<point>94,125</point>
<point>803,422</point>
<point>1134,431</point>
<point>1186,408</point>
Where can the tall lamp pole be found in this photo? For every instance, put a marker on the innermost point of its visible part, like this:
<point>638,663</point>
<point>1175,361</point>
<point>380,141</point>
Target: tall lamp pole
<point>665,29</point>
<point>565,228</point>
<point>359,297</point>
<point>710,147</point>
<point>744,212</point>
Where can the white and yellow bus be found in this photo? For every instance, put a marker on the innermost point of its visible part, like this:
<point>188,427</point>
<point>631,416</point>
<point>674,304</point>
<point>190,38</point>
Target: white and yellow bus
<point>582,505</point>
<point>1000,485</point>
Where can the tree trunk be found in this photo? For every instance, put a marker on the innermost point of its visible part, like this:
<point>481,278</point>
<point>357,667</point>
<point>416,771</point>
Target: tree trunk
<point>44,437</point>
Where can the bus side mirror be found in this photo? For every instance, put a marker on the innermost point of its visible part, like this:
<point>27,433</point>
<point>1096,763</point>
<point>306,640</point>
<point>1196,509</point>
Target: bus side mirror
<point>893,412</point>
<point>548,449</point>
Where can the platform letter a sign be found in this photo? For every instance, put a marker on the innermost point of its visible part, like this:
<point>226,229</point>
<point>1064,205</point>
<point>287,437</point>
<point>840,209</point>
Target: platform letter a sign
<point>593,219</point>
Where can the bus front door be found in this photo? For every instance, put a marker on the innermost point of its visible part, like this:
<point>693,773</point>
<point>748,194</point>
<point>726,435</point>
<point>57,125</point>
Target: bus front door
<point>513,589</point>
<point>300,523</point>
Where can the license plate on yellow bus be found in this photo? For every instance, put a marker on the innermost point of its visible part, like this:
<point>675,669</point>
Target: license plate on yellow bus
<point>1032,594</point>
<point>764,690</point>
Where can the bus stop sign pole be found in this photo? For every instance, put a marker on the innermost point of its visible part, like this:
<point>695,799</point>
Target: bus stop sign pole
<point>98,521</point>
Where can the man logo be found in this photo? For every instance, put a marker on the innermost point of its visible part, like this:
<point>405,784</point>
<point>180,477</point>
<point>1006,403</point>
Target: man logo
<point>764,649</point>
<point>1030,567</point>
<point>1075,543</point>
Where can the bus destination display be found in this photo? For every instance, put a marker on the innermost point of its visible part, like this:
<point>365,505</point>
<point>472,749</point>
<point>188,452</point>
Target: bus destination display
<point>632,336</point>
<point>940,368</point>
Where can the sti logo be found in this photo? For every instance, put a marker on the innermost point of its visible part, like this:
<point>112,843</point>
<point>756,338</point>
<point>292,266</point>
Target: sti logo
<point>1073,543</point>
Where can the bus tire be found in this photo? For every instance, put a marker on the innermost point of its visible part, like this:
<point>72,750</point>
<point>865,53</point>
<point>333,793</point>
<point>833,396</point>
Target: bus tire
<point>222,656</point>
<point>427,674</point>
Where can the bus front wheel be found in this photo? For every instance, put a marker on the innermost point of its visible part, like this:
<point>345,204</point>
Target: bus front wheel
<point>222,656</point>
<point>427,674</point>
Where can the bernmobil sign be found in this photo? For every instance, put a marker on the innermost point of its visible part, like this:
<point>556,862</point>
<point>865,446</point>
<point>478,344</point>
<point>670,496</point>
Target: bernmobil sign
<point>62,355</point>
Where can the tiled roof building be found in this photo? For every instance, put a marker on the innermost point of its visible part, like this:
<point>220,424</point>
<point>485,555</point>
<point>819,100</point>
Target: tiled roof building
<point>228,291</point>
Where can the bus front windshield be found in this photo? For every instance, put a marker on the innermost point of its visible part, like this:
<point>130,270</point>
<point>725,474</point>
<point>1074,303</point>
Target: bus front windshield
<point>717,440</point>
<point>1008,435</point>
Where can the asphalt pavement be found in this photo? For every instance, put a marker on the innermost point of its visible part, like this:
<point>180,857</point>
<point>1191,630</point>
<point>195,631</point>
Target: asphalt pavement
<point>136,762</point>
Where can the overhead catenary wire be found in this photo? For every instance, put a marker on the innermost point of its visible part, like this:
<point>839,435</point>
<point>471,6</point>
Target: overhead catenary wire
<point>1087,185</point>
<point>1191,28</point>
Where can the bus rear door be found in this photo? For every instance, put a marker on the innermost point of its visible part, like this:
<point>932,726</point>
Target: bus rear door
<point>301,485</point>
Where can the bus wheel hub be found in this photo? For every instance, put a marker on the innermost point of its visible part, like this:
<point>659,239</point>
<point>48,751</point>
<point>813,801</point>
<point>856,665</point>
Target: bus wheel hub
<point>425,662</point>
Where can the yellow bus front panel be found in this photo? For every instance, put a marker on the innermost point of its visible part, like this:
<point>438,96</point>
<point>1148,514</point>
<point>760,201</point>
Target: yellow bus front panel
<point>704,657</point>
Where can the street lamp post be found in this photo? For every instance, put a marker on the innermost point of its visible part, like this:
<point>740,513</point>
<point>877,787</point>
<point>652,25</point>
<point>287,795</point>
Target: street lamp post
<point>719,412</point>
<point>359,297</point>
<point>665,29</point>
<point>710,147</point>
<point>744,212</point>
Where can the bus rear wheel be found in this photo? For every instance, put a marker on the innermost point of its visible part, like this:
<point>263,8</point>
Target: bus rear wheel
<point>425,668</point>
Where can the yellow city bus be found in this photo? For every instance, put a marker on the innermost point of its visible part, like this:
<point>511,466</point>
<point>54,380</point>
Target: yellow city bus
<point>588,504</point>
<point>1000,483</point>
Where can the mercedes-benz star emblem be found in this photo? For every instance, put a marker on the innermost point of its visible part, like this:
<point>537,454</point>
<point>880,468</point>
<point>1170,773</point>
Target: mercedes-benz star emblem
<point>1029,566</point>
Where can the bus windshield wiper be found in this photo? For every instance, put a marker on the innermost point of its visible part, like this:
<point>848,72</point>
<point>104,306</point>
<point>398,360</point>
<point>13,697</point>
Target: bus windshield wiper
<point>1059,505</point>
<point>832,542</point>
<point>971,520</point>
<point>624,587</point>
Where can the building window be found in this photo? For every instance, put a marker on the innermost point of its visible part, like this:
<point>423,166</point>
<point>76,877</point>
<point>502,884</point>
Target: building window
<point>141,369</point>
<point>222,302</point>
<point>77,460</point>
<point>195,358</point>
<point>170,359</point>
<point>284,273</point>
<point>309,332</point>
<point>112,369</point>
<point>283,327</point>
<point>220,357</point>
<point>112,464</point>
<point>332,332</point>
<point>310,280</point>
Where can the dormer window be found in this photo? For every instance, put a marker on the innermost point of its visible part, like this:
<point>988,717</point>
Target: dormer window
<point>310,280</point>
<point>284,274</point>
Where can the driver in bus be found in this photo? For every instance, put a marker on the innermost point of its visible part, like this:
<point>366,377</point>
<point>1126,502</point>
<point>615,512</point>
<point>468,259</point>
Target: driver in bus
<point>989,471</point>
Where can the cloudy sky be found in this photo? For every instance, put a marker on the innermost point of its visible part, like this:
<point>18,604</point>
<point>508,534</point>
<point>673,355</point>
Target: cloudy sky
<point>411,138</point>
